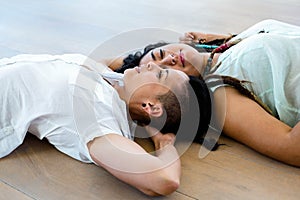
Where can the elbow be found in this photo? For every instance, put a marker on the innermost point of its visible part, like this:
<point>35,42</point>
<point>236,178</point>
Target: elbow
<point>291,149</point>
<point>162,187</point>
<point>295,164</point>
<point>169,186</point>
<point>166,186</point>
<point>293,159</point>
<point>290,155</point>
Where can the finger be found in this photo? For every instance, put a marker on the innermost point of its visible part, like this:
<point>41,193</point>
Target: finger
<point>189,35</point>
<point>151,131</point>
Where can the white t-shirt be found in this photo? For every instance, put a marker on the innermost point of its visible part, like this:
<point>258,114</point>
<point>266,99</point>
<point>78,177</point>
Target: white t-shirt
<point>54,97</point>
<point>271,62</point>
<point>270,26</point>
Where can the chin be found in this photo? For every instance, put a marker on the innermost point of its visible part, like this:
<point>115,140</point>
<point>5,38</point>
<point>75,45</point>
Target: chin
<point>128,71</point>
<point>128,75</point>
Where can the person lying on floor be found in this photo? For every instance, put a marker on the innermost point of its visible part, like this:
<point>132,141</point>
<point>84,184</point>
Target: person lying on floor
<point>259,71</point>
<point>91,116</point>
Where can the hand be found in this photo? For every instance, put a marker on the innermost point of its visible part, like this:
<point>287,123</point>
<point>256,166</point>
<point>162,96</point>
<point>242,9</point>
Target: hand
<point>160,140</point>
<point>193,38</point>
<point>201,38</point>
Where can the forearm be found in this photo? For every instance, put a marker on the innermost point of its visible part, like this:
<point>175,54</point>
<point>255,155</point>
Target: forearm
<point>211,37</point>
<point>164,178</point>
<point>294,145</point>
<point>170,171</point>
<point>170,159</point>
<point>153,175</point>
<point>204,38</point>
<point>113,63</point>
<point>265,134</point>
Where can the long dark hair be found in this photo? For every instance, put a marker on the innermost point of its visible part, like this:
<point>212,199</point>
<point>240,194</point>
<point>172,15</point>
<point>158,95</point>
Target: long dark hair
<point>204,113</point>
<point>201,87</point>
<point>238,84</point>
<point>203,93</point>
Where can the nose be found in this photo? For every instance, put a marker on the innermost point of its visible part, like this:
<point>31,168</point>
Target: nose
<point>170,59</point>
<point>151,66</point>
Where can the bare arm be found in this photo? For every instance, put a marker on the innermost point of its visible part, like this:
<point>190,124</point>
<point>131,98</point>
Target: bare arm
<point>123,158</point>
<point>113,63</point>
<point>160,140</point>
<point>268,25</point>
<point>248,123</point>
<point>199,37</point>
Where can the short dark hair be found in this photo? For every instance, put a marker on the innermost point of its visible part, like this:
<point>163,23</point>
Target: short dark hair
<point>188,115</point>
<point>174,103</point>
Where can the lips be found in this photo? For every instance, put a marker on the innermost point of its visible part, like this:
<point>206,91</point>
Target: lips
<point>181,56</point>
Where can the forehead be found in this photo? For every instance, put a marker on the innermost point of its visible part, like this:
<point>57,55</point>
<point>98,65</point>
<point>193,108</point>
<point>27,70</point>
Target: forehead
<point>174,46</point>
<point>176,77</point>
<point>179,74</point>
<point>168,47</point>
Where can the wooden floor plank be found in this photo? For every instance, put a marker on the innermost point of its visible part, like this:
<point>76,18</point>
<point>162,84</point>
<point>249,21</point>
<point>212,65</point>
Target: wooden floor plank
<point>41,171</point>
<point>7,192</point>
<point>37,171</point>
<point>223,174</point>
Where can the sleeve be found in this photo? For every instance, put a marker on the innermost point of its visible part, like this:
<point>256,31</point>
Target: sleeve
<point>97,109</point>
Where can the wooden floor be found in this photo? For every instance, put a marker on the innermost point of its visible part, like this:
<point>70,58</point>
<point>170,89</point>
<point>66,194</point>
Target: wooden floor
<point>37,171</point>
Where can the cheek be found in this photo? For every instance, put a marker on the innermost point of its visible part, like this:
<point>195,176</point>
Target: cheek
<point>145,60</point>
<point>191,71</point>
<point>177,67</point>
<point>140,89</point>
<point>149,91</point>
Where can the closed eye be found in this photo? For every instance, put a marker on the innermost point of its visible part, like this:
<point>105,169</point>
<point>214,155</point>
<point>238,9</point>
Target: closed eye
<point>153,56</point>
<point>162,73</point>
<point>159,74</point>
<point>161,53</point>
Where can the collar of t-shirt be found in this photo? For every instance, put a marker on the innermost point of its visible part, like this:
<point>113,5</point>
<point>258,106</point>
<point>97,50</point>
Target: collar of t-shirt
<point>113,78</point>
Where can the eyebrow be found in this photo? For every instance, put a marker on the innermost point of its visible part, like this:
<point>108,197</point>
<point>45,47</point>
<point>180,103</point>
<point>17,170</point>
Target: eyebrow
<point>152,55</point>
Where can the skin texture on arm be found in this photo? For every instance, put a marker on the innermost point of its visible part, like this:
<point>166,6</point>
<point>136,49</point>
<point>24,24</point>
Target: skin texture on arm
<point>268,25</point>
<point>199,37</point>
<point>248,123</point>
<point>129,162</point>
<point>113,63</point>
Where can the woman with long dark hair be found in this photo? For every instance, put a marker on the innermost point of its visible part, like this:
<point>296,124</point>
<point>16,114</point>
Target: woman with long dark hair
<point>259,71</point>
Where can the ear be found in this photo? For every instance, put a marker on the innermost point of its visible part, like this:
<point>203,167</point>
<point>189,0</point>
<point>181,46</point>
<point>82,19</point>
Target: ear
<point>153,109</point>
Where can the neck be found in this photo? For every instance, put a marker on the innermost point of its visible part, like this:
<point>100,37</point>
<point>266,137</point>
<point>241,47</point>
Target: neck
<point>206,56</point>
<point>121,92</point>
